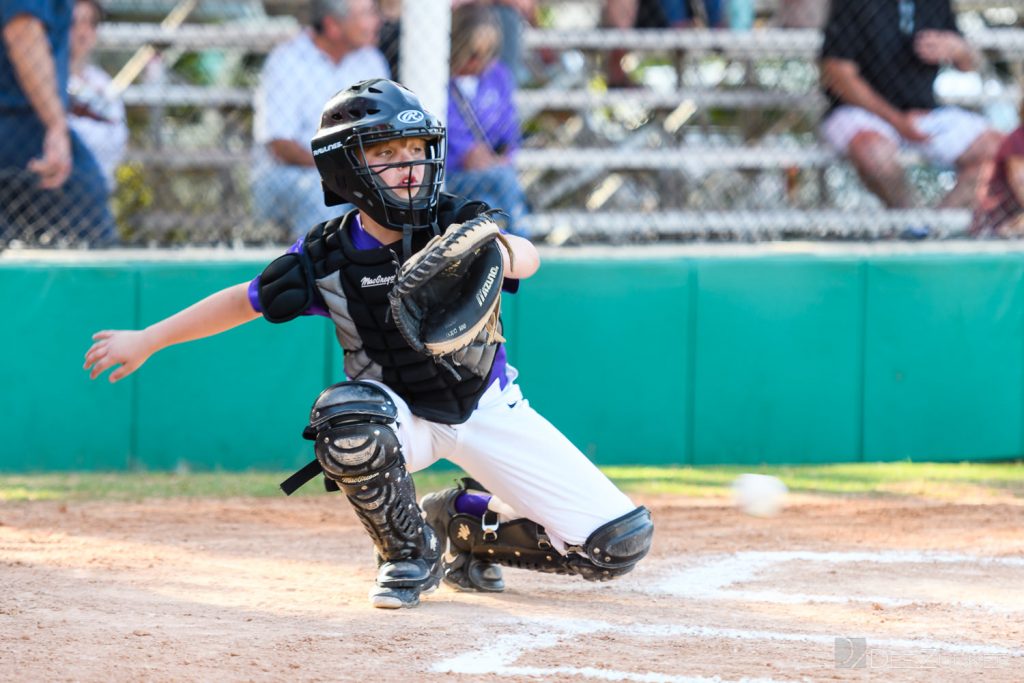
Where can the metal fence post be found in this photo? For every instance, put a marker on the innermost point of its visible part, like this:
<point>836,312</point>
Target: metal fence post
<point>426,42</point>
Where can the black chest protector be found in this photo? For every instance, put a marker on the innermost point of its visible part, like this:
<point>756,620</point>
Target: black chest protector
<point>354,284</point>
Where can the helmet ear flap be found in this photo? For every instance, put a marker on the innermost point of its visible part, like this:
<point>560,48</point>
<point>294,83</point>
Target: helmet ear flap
<point>331,198</point>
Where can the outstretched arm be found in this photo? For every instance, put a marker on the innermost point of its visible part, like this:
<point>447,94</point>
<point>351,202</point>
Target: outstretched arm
<point>216,313</point>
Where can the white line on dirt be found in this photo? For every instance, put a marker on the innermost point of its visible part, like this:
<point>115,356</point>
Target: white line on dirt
<point>712,579</point>
<point>498,656</point>
<point>571,672</point>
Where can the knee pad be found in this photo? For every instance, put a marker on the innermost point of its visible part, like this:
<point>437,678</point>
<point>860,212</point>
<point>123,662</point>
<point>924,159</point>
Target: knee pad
<point>614,548</point>
<point>352,424</point>
<point>354,438</point>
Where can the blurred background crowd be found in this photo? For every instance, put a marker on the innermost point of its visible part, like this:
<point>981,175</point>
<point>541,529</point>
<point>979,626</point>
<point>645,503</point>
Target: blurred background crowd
<point>179,122</point>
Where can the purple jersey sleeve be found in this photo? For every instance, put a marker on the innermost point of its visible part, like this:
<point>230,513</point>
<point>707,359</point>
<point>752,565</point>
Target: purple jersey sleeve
<point>318,307</point>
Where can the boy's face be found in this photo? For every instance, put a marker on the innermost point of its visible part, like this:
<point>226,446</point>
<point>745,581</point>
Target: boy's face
<point>394,163</point>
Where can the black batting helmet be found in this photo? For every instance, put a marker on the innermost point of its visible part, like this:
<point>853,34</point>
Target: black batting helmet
<point>369,112</point>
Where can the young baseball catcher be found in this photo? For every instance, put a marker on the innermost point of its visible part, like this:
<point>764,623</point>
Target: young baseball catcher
<point>412,280</point>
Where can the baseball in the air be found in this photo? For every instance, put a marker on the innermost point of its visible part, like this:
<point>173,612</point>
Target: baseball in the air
<point>759,495</point>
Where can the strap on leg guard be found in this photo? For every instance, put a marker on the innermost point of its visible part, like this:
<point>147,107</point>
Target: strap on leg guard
<point>519,543</point>
<point>357,447</point>
<point>610,551</point>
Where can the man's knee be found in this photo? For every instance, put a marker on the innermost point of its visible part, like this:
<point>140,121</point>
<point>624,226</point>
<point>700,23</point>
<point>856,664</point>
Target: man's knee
<point>982,150</point>
<point>872,152</point>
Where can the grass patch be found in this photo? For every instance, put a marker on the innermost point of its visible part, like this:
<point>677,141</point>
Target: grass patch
<point>932,480</point>
<point>947,481</point>
<point>142,485</point>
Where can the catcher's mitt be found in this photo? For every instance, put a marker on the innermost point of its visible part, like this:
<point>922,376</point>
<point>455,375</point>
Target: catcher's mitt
<point>449,291</point>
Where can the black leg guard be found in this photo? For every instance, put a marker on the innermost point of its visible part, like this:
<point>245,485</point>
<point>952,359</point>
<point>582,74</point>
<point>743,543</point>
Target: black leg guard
<point>611,551</point>
<point>459,568</point>
<point>358,448</point>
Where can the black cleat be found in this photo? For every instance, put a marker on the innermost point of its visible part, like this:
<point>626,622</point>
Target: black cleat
<point>459,569</point>
<point>400,583</point>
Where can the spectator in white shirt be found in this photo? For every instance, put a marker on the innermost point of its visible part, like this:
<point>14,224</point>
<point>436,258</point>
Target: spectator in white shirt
<point>96,113</point>
<point>339,49</point>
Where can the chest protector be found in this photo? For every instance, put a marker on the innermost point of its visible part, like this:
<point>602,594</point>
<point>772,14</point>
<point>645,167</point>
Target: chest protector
<point>354,285</point>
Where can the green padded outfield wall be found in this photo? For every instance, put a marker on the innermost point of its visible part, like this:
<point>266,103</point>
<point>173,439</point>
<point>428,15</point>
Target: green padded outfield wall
<point>673,356</point>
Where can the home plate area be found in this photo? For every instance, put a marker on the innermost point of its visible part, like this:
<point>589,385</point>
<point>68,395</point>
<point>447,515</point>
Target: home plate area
<point>775,616</point>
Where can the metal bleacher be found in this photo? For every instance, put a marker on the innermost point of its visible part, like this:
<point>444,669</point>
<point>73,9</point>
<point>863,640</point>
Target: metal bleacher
<point>687,157</point>
<point>769,130</point>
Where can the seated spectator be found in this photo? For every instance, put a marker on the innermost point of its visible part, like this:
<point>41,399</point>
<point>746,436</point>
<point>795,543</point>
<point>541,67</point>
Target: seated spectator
<point>633,14</point>
<point>1000,208</point>
<point>879,63</point>
<point>297,78</point>
<point>97,115</point>
<point>694,13</point>
<point>512,15</point>
<point>801,14</point>
<point>664,13</point>
<point>50,185</point>
<point>627,14</point>
<point>483,129</point>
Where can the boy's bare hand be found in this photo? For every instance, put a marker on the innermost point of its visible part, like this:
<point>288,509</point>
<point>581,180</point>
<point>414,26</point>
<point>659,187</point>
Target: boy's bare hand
<point>127,348</point>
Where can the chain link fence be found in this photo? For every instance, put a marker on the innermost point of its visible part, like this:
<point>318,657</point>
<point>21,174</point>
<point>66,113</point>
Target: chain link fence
<point>589,120</point>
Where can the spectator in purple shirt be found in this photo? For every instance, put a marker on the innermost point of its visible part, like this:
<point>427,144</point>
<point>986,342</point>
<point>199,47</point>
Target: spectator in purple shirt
<point>483,128</point>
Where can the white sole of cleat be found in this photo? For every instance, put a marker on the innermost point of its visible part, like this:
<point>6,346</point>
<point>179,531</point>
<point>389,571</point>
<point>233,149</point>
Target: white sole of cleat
<point>382,598</point>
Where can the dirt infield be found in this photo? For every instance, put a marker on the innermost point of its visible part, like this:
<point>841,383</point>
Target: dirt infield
<point>255,589</point>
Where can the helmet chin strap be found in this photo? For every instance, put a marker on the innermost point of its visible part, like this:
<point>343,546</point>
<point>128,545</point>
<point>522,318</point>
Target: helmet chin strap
<point>407,228</point>
<point>406,242</point>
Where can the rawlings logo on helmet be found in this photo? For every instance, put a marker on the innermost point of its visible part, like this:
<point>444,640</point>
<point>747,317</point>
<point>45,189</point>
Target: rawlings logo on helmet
<point>410,116</point>
<point>329,148</point>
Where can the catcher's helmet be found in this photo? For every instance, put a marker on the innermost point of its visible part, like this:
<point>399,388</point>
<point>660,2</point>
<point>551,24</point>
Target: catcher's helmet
<point>379,110</point>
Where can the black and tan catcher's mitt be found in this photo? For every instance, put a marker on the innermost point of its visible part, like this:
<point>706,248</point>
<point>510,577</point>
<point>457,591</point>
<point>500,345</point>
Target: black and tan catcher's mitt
<point>449,291</point>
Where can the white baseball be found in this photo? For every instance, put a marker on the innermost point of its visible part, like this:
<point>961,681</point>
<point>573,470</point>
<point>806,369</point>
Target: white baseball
<point>759,495</point>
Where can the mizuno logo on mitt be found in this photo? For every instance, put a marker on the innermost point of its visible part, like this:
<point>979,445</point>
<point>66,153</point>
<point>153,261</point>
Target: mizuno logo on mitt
<point>492,274</point>
<point>444,298</point>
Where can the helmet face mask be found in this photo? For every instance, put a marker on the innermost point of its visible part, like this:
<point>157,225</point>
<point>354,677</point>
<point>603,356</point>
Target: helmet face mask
<point>413,182</point>
<point>368,114</point>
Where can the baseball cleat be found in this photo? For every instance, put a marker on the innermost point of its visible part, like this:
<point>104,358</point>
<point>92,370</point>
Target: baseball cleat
<point>458,568</point>
<point>400,583</point>
<point>394,598</point>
